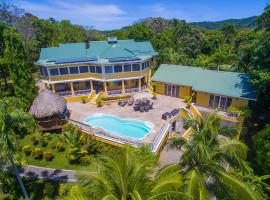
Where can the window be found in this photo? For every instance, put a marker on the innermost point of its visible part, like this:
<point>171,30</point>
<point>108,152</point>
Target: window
<point>83,69</point>
<point>117,83</point>
<point>219,102</point>
<point>98,70</point>
<point>45,71</point>
<point>54,72</point>
<point>41,71</point>
<point>63,71</point>
<point>92,69</point>
<point>73,70</point>
<point>127,68</point>
<point>136,67</point>
<point>118,68</point>
<point>108,69</point>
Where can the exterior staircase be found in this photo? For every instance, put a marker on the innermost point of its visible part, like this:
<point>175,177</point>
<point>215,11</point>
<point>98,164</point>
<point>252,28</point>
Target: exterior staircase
<point>92,97</point>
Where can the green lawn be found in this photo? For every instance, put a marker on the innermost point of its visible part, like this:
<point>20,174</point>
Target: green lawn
<point>60,160</point>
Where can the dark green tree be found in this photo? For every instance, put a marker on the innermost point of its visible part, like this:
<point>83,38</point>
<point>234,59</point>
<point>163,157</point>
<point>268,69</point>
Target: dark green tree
<point>20,73</point>
<point>261,142</point>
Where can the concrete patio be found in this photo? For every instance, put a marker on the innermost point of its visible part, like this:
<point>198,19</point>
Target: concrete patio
<point>161,105</point>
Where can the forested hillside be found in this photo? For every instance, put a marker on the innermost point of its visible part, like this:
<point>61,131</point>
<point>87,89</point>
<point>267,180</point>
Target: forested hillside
<point>230,45</point>
<point>244,23</point>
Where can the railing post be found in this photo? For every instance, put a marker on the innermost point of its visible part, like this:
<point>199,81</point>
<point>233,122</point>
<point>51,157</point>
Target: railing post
<point>123,87</point>
<point>72,89</point>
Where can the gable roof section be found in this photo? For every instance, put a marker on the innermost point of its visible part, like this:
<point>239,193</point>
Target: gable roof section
<point>101,50</point>
<point>216,82</point>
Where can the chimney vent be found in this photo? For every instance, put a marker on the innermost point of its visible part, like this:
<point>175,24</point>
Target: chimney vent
<point>112,40</point>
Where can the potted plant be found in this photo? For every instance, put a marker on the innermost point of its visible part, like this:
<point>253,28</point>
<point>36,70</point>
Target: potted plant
<point>188,101</point>
<point>83,100</point>
<point>154,95</point>
<point>99,102</point>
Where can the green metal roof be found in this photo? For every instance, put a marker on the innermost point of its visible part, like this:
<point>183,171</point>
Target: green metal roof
<point>216,82</point>
<point>101,50</point>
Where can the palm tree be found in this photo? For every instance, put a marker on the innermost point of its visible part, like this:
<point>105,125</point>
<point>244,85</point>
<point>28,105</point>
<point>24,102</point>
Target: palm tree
<point>131,177</point>
<point>209,158</point>
<point>11,119</point>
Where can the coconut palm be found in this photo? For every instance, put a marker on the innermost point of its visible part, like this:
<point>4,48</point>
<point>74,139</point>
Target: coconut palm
<point>130,177</point>
<point>11,120</point>
<point>208,159</point>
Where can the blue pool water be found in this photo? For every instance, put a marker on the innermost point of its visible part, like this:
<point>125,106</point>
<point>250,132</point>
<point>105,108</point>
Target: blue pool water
<point>123,127</point>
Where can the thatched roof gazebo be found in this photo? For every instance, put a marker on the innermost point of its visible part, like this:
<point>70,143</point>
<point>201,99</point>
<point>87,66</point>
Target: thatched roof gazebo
<point>50,110</point>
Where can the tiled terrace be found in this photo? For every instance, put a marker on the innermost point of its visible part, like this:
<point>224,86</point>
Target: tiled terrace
<point>163,104</point>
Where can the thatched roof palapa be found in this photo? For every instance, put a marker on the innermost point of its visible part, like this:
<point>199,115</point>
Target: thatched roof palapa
<point>47,104</point>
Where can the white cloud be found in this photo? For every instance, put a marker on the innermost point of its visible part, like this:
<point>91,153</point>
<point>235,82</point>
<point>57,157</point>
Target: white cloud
<point>103,16</point>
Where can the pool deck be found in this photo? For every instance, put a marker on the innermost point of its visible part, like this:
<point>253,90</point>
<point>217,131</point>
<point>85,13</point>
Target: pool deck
<point>161,105</point>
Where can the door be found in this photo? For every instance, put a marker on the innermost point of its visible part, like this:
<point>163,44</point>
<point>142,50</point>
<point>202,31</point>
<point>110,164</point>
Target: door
<point>171,90</point>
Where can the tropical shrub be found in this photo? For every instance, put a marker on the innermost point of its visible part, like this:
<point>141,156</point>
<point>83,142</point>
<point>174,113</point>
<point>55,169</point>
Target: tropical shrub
<point>43,141</point>
<point>34,140</point>
<point>27,150</point>
<point>48,155</point>
<point>60,147</point>
<point>85,160</point>
<point>115,97</point>
<point>99,103</point>
<point>261,143</point>
<point>84,100</point>
<point>49,190</point>
<point>37,153</point>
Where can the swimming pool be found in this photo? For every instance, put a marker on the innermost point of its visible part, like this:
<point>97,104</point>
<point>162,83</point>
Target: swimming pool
<point>124,127</point>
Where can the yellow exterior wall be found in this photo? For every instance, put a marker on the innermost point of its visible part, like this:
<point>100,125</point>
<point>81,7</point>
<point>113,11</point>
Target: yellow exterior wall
<point>159,88</point>
<point>238,103</point>
<point>75,76</point>
<point>126,74</point>
<point>184,91</point>
<point>112,86</point>
<point>202,99</point>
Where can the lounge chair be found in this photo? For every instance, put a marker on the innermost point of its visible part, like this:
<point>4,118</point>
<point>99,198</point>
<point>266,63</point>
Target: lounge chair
<point>123,103</point>
<point>174,112</point>
<point>151,105</point>
<point>131,101</point>
<point>136,107</point>
<point>147,108</point>
<point>165,115</point>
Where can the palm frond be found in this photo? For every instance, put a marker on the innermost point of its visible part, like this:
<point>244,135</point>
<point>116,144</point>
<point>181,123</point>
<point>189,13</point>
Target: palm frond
<point>242,190</point>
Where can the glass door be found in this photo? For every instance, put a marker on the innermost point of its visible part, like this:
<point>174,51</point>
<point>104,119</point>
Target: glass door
<point>171,90</point>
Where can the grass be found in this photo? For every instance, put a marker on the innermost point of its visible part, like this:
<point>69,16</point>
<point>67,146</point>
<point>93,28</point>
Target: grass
<point>59,161</point>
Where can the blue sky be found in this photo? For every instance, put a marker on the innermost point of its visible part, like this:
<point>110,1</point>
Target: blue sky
<point>112,14</point>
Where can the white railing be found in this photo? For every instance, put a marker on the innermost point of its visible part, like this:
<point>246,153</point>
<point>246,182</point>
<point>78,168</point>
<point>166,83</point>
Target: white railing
<point>131,90</point>
<point>101,133</point>
<point>156,143</point>
<point>82,92</point>
<point>114,92</point>
<point>65,94</point>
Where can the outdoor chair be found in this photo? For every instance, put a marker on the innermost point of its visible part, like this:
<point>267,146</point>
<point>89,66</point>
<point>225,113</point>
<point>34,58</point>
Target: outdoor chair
<point>165,115</point>
<point>151,105</point>
<point>141,108</point>
<point>131,101</point>
<point>123,103</point>
<point>136,107</point>
<point>147,108</point>
<point>174,112</point>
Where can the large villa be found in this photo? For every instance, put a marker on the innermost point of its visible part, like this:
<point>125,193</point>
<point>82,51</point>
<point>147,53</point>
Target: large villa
<point>124,103</point>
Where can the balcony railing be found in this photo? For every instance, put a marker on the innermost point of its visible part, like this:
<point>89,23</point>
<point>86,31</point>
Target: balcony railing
<point>131,90</point>
<point>82,92</point>
<point>114,92</point>
<point>65,94</point>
